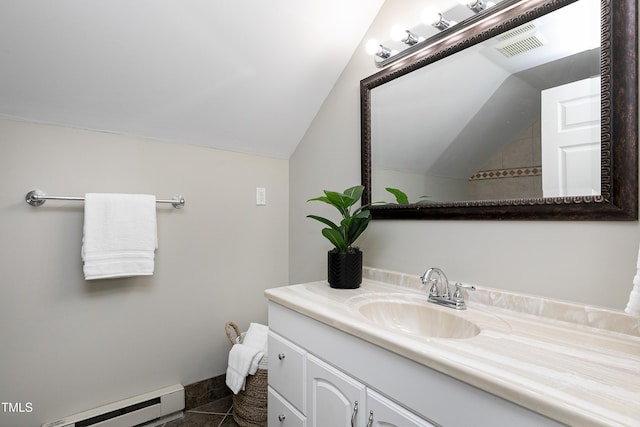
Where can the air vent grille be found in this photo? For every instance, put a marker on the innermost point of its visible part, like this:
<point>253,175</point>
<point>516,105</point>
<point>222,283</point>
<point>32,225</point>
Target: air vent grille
<point>523,29</point>
<point>522,43</point>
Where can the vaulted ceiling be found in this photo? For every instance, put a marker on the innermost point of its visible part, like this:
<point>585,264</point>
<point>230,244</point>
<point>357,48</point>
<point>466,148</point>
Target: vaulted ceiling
<point>246,76</point>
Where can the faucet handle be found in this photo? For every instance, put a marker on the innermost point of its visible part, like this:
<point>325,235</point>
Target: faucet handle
<point>457,295</point>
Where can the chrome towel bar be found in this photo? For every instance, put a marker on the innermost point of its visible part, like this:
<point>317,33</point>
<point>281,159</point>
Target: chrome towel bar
<point>37,198</point>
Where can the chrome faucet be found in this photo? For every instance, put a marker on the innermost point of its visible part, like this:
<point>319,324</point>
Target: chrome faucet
<point>434,288</point>
<point>440,291</point>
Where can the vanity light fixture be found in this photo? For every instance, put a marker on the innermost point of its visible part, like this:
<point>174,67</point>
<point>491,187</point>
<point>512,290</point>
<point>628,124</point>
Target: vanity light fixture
<point>431,16</point>
<point>400,34</point>
<point>373,47</point>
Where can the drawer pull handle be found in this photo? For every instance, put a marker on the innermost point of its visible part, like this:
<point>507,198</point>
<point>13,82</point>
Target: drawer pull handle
<point>281,417</point>
<point>355,414</point>
<point>370,423</point>
<point>281,356</point>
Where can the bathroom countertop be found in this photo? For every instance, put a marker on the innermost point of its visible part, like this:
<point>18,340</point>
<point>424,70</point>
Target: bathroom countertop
<point>576,364</point>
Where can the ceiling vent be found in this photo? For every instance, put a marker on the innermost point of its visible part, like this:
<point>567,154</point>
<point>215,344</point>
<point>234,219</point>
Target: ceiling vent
<point>520,40</point>
<point>523,29</point>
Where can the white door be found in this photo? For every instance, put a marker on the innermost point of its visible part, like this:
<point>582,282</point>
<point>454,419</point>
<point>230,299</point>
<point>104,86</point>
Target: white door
<point>571,139</point>
<point>382,412</point>
<point>334,399</point>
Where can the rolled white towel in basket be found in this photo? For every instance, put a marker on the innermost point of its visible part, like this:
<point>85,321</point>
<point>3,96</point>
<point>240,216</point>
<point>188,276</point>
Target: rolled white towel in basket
<point>247,356</point>
<point>257,337</point>
<point>243,361</point>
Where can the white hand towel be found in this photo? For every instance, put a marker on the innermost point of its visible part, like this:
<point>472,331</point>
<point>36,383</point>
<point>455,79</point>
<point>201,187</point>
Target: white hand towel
<point>257,336</point>
<point>247,357</point>
<point>120,235</point>
<point>242,359</point>
<point>633,306</point>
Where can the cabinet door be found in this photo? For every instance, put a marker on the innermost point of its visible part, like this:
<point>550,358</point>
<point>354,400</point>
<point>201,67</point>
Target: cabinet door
<point>281,413</point>
<point>334,399</point>
<point>286,370</point>
<point>381,412</point>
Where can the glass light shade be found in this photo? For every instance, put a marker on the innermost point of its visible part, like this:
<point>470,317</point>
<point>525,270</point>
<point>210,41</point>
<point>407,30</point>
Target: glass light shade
<point>398,33</point>
<point>372,47</point>
<point>430,15</point>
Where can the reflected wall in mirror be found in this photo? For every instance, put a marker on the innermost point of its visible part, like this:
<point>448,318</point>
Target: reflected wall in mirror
<point>521,114</point>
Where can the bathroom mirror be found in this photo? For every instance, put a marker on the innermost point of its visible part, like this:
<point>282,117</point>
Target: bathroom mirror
<point>464,123</point>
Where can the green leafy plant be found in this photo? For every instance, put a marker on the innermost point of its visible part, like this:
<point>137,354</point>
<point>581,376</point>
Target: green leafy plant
<point>401,196</point>
<point>353,222</point>
<point>403,199</point>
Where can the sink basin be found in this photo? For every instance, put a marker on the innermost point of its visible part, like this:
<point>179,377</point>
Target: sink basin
<point>418,318</point>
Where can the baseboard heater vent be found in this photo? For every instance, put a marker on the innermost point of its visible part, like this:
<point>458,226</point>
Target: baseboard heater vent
<point>160,405</point>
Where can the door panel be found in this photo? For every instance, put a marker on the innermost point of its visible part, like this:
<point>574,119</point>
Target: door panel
<point>334,399</point>
<point>571,139</point>
<point>381,412</point>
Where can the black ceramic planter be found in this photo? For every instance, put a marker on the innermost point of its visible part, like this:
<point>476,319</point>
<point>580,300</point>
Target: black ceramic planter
<point>344,270</point>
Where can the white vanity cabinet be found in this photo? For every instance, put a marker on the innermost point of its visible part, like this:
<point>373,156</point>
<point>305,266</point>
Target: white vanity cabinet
<point>304,390</point>
<point>336,399</point>
<point>318,372</point>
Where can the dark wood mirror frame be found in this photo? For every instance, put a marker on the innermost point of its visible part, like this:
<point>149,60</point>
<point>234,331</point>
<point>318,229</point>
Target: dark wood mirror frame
<point>619,121</point>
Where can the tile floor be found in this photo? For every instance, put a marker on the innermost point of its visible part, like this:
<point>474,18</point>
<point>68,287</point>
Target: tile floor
<point>213,414</point>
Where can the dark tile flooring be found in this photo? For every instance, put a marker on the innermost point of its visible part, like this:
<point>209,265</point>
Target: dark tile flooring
<point>214,414</point>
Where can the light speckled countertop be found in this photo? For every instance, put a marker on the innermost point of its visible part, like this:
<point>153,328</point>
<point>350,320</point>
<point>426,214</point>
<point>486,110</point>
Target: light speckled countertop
<point>576,364</point>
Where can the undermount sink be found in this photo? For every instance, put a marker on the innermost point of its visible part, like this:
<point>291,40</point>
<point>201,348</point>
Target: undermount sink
<point>418,318</point>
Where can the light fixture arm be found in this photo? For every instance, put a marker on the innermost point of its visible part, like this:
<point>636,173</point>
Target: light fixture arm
<point>383,52</point>
<point>477,5</point>
<point>410,38</point>
<point>443,23</point>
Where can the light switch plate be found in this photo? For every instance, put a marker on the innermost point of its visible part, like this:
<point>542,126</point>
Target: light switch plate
<point>261,196</point>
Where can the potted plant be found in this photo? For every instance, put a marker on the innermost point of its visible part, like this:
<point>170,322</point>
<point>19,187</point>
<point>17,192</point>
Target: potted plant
<point>344,261</point>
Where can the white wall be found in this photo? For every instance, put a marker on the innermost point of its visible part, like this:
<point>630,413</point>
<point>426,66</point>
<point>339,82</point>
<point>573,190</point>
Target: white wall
<point>592,262</point>
<point>68,345</point>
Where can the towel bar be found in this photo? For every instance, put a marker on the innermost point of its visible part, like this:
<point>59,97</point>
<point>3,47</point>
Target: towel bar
<point>37,198</point>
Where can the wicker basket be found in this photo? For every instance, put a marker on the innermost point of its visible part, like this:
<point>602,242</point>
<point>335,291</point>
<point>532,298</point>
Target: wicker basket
<point>250,404</point>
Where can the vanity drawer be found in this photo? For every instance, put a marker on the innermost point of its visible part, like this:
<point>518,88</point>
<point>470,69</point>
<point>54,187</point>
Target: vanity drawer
<point>281,413</point>
<point>287,370</point>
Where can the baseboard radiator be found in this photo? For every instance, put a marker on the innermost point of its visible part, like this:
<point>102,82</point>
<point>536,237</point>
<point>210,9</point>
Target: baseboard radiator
<point>160,405</point>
